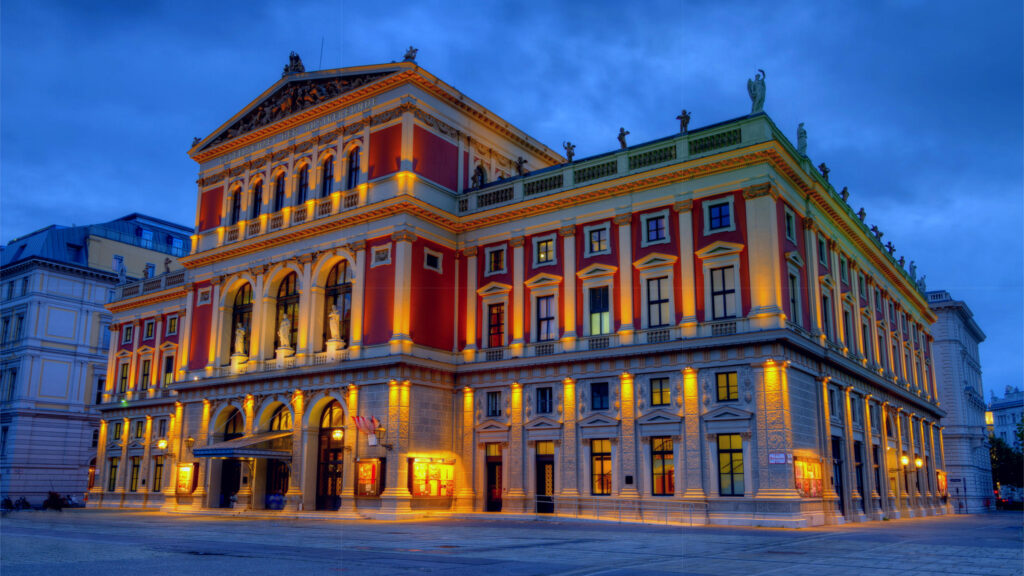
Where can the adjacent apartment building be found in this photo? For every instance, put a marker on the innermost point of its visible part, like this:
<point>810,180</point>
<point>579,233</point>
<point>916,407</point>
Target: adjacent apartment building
<point>54,343</point>
<point>958,375</point>
<point>397,301</point>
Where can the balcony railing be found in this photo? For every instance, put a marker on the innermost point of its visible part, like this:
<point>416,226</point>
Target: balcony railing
<point>150,285</point>
<point>291,362</point>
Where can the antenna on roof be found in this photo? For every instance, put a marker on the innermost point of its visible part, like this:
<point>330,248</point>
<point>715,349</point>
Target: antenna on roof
<point>321,66</point>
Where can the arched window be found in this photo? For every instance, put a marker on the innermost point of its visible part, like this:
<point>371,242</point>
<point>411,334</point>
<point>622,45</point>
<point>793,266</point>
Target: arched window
<point>257,199</point>
<point>236,205</point>
<point>235,426</point>
<point>241,315</point>
<point>302,184</point>
<point>338,292</point>
<point>279,192</point>
<point>327,177</point>
<point>287,306</point>
<point>330,454</point>
<point>353,169</point>
<point>281,420</point>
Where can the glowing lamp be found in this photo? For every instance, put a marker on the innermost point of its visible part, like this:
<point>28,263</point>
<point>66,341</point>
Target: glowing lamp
<point>161,444</point>
<point>918,462</point>
<point>337,434</point>
<point>904,460</point>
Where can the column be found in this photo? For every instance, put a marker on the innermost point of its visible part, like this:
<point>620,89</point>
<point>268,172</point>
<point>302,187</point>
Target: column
<point>123,471</point>
<point>930,376</point>
<point>464,493</point>
<point>256,328</point>
<point>837,295</point>
<point>156,368</point>
<point>303,346</point>
<point>400,341</point>
<point>568,455</point>
<point>829,496</point>
<point>213,359</point>
<point>775,433</point>
<point>888,495</point>
<point>469,352</point>
<point>857,500</point>
<point>111,382</point>
<point>763,257</point>
<point>358,249</point>
<point>628,433</point>
<point>568,235</point>
<point>185,338</point>
<point>903,488</point>
<point>133,362</point>
<point>293,498</point>
<point>519,309</point>
<point>202,469</point>
<point>172,456</point>
<point>626,328</point>
<point>876,357</point>
<point>813,286</point>
<point>395,499</point>
<point>516,494</point>
<point>871,498</point>
<point>100,480</point>
<point>348,479</point>
<point>687,278</point>
<point>855,312</point>
<point>692,437</point>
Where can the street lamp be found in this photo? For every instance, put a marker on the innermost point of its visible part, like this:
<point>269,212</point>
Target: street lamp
<point>379,432</point>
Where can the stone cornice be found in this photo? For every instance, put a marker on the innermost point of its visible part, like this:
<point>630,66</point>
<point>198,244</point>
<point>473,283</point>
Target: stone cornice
<point>148,299</point>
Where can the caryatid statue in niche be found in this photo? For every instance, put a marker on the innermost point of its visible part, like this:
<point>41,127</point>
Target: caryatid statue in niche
<point>284,332</point>
<point>622,137</point>
<point>570,150</point>
<point>801,140</point>
<point>334,322</point>
<point>239,339</point>
<point>756,90</point>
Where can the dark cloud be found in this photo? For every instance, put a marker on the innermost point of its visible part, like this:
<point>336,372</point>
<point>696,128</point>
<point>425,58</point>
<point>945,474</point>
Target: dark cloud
<point>916,106</point>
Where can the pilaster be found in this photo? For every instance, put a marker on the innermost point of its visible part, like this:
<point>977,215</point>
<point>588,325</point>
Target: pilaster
<point>627,426</point>
<point>625,247</point>
<point>300,431</point>
<point>464,493</point>
<point>400,341</point>
<point>358,250</point>
<point>764,258</point>
<point>469,352</point>
<point>568,235</point>
<point>515,498</point>
<point>687,278</point>
<point>519,309</point>
<point>568,409</point>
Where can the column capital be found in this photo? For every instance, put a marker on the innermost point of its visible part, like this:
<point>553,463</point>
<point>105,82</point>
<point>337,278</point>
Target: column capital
<point>683,206</point>
<point>623,219</point>
<point>403,236</point>
<point>356,246</point>
<point>759,190</point>
<point>469,251</point>
<point>517,241</point>
<point>808,223</point>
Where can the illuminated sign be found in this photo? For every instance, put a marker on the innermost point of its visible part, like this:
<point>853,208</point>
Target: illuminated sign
<point>186,478</point>
<point>808,477</point>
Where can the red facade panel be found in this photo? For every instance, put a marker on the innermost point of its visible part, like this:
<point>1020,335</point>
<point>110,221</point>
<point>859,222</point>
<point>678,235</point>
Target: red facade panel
<point>460,310</point>
<point>199,345</point>
<point>435,158</point>
<point>379,297</point>
<point>433,297</point>
<point>209,208</point>
<point>385,151</point>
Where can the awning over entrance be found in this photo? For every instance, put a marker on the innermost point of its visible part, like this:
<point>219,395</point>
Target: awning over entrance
<point>271,445</point>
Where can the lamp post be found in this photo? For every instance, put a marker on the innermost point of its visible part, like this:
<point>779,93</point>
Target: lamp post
<point>379,432</point>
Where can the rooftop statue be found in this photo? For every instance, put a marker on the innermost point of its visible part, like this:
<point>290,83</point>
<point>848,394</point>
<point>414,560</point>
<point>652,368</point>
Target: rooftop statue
<point>294,65</point>
<point>410,54</point>
<point>801,140</point>
<point>824,170</point>
<point>570,150</point>
<point>756,89</point>
<point>921,285</point>
<point>862,214</point>
<point>913,270</point>
<point>684,121</point>
<point>622,137</point>
<point>520,163</point>
<point>844,194</point>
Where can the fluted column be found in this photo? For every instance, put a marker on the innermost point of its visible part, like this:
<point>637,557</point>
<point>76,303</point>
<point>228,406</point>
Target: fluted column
<point>568,455</point>
<point>687,278</point>
<point>464,493</point>
<point>519,308</point>
<point>568,235</point>
<point>469,352</point>
<point>358,249</point>
<point>300,432</point>
<point>628,433</point>
<point>626,328</point>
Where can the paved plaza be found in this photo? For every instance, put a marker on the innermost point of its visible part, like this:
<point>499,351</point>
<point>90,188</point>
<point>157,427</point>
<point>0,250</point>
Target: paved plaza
<point>81,542</point>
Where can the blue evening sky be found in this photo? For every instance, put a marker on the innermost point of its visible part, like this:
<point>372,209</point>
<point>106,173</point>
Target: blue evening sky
<point>917,107</point>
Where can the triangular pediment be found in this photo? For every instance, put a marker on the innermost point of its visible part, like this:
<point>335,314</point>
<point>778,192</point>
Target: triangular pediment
<point>542,423</point>
<point>492,426</point>
<point>596,271</point>
<point>719,248</point>
<point>135,444</point>
<point>794,257</point>
<point>292,94</point>
<point>727,413</point>
<point>145,349</point>
<point>654,260</point>
<point>542,279</point>
<point>492,288</point>
<point>659,416</point>
<point>123,354</point>
<point>598,420</point>
<point>168,345</point>
<point>827,281</point>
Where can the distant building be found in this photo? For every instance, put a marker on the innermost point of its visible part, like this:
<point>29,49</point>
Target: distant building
<point>55,342</point>
<point>1007,412</point>
<point>958,375</point>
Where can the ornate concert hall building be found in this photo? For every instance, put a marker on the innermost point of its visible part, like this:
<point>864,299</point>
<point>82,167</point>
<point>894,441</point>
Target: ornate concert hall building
<point>397,302</point>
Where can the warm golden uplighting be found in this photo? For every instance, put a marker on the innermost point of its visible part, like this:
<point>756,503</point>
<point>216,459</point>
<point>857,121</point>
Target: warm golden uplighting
<point>161,444</point>
<point>337,434</point>
<point>918,463</point>
<point>904,460</point>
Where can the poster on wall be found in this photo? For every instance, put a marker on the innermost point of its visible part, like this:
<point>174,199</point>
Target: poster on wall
<point>185,479</point>
<point>942,482</point>
<point>808,477</point>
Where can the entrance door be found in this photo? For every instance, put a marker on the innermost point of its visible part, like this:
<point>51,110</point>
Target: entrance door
<point>545,484</point>
<point>494,484</point>
<point>330,456</point>
<point>277,484</point>
<point>837,471</point>
<point>230,480</point>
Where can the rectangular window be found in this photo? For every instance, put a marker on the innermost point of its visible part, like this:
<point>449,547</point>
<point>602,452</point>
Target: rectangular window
<point>881,348</point>
<point>544,251</point>
<point>140,427</point>
<point>546,318</point>
<point>790,226</point>
<point>144,374</point>
<point>822,252</point>
<point>656,229</point>
<point>3,441</point>
<point>5,329</point>
<point>794,298</point>
<point>126,334</point>
<point>657,302</point>
<point>723,293</point>
<point>847,340</point>
<point>826,316</point>
<point>718,216</point>
<point>545,448</point>
<point>112,477</point>
<point>158,474</point>
<point>161,428</point>
<point>496,260</point>
<point>659,392</point>
<point>133,484</point>
<point>432,260</point>
<point>147,330</point>
<point>101,385</point>
<point>105,331</point>
<point>598,240</point>
<point>865,337</point>
<point>730,465</point>
<point>862,286</point>
<point>118,429</point>
<point>496,325</point>
<point>663,474</point>
<point>855,409</point>
<point>168,377</point>
<point>122,378</point>
<point>544,400</point>
<point>19,320</point>
<point>844,273</point>
<point>728,390</point>
<point>493,404</point>
<point>12,384</point>
<point>599,396</point>
<point>601,467</point>
<point>600,311</point>
<point>172,325</point>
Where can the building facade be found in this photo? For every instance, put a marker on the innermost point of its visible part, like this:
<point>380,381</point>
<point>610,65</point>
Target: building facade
<point>398,302</point>
<point>54,343</point>
<point>958,375</point>
<point>1007,413</point>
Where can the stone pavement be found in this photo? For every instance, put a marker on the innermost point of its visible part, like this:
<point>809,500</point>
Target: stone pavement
<point>82,542</point>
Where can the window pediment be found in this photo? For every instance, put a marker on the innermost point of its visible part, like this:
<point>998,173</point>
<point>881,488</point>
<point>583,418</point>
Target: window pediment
<point>598,420</point>
<point>655,260</point>
<point>168,346</point>
<point>719,248</point>
<point>145,349</point>
<point>596,271</point>
<point>827,281</point>
<point>727,414</point>
<point>492,288</point>
<point>492,426</point>
<point>659,416</point>
<point>123,354</point>
<point>794,257</point>
<point>542,423</point>
<point>541,280</point>
<point>135,444</point>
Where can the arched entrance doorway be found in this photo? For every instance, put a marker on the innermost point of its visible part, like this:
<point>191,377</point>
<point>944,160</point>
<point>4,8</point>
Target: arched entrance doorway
<point>330,453</point>
<point>231,468</point>
<point>278,471</point>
